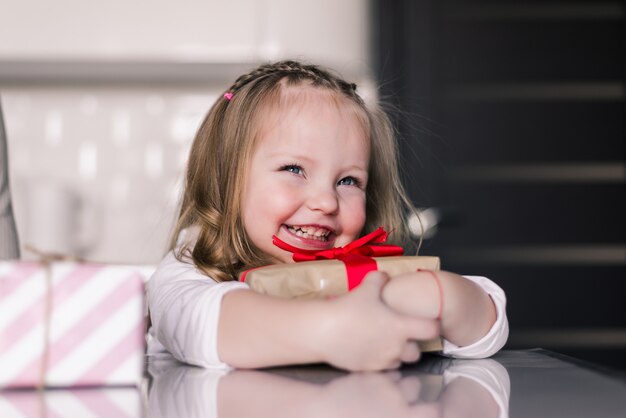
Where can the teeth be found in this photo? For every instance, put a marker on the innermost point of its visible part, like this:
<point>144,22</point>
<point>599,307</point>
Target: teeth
<point>310,232</point>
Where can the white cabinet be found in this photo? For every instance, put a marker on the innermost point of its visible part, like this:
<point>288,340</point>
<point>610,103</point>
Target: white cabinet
<point>330,32</point>
<point>335,33</point>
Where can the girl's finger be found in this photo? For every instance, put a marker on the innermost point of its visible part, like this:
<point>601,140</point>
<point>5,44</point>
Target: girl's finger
<point>374,279</point>
<point>426,410</point>
<point>421,328</point>
<point>410,353</point>
<point>410,388</point>
<point>393,375</point>
<point>395,364</point>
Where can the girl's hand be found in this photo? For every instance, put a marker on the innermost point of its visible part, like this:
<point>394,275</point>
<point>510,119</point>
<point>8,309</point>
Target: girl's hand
<point>361,333</point>
<point>414,293</point>
<point>466,311</point>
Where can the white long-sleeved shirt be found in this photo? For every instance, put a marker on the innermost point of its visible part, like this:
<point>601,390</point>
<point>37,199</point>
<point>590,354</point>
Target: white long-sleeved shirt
<point>185,306</point>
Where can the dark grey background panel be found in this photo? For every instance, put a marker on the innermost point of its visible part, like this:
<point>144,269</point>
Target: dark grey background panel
<point>530,50</point>
<point>533,131</point>
<point>512,125</point>
<point>501,213</point>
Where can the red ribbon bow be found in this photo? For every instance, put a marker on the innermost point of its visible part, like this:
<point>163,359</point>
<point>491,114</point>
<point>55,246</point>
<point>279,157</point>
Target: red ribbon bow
<point>357,255</point>
<point>361,246</point>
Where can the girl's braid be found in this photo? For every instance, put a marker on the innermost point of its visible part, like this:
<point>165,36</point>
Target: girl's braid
<point>296,70</point>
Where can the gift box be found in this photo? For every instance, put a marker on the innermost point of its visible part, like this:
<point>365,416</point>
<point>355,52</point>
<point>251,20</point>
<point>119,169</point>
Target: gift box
<point>336,271</point>
<point>324,278</point>
<point>95,403</point>
<point>69,324</point>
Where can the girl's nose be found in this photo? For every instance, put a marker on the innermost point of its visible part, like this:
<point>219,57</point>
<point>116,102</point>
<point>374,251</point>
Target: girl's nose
<point>324,200</point>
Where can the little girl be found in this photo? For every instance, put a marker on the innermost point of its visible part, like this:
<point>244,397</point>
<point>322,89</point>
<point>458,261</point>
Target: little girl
<point>292,150</point>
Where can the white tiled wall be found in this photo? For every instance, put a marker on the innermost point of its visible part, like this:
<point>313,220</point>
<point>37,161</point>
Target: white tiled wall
<point>97,171</point>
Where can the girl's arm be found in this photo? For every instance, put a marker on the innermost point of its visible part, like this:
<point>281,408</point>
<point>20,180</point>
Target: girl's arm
<point>210,324</point>
<point>356,331</point>
<point>468,312</point>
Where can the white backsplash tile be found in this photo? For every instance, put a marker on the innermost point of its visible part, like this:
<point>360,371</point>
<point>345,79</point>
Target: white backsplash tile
<point>97,171</point>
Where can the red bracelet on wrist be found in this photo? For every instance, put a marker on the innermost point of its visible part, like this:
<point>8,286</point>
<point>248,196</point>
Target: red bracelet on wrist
<point>440,287</point>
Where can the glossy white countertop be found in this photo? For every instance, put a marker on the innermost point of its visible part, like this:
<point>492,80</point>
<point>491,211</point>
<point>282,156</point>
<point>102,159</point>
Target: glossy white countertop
<point>521,383</point>
<point>528,383</point>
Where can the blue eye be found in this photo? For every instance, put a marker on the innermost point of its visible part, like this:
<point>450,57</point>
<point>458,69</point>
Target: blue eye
<point>348,181</point>
<point>292,168</point>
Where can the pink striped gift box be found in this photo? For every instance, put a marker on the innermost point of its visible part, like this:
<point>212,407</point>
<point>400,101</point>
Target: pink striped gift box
<point>84,403</point>
<point>70,325</point>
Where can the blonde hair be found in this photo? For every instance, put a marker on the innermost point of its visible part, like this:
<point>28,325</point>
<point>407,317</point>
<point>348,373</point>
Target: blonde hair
<point>221,152</point>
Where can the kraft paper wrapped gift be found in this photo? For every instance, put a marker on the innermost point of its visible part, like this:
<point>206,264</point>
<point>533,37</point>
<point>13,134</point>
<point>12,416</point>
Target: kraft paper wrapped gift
<point>69,324</point>
<point>324,278</point>
<point>336,271</point>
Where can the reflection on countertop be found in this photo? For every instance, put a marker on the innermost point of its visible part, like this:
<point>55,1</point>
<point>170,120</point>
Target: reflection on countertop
<point>437,388</point>
<point>523,383</point>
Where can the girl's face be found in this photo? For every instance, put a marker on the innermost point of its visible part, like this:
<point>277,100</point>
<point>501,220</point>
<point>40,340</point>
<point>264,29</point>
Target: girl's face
<point>307,176</point>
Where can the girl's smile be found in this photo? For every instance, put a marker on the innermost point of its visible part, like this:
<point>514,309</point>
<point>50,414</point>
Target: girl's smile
<point>307,175</point>
<point>312,235</point>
